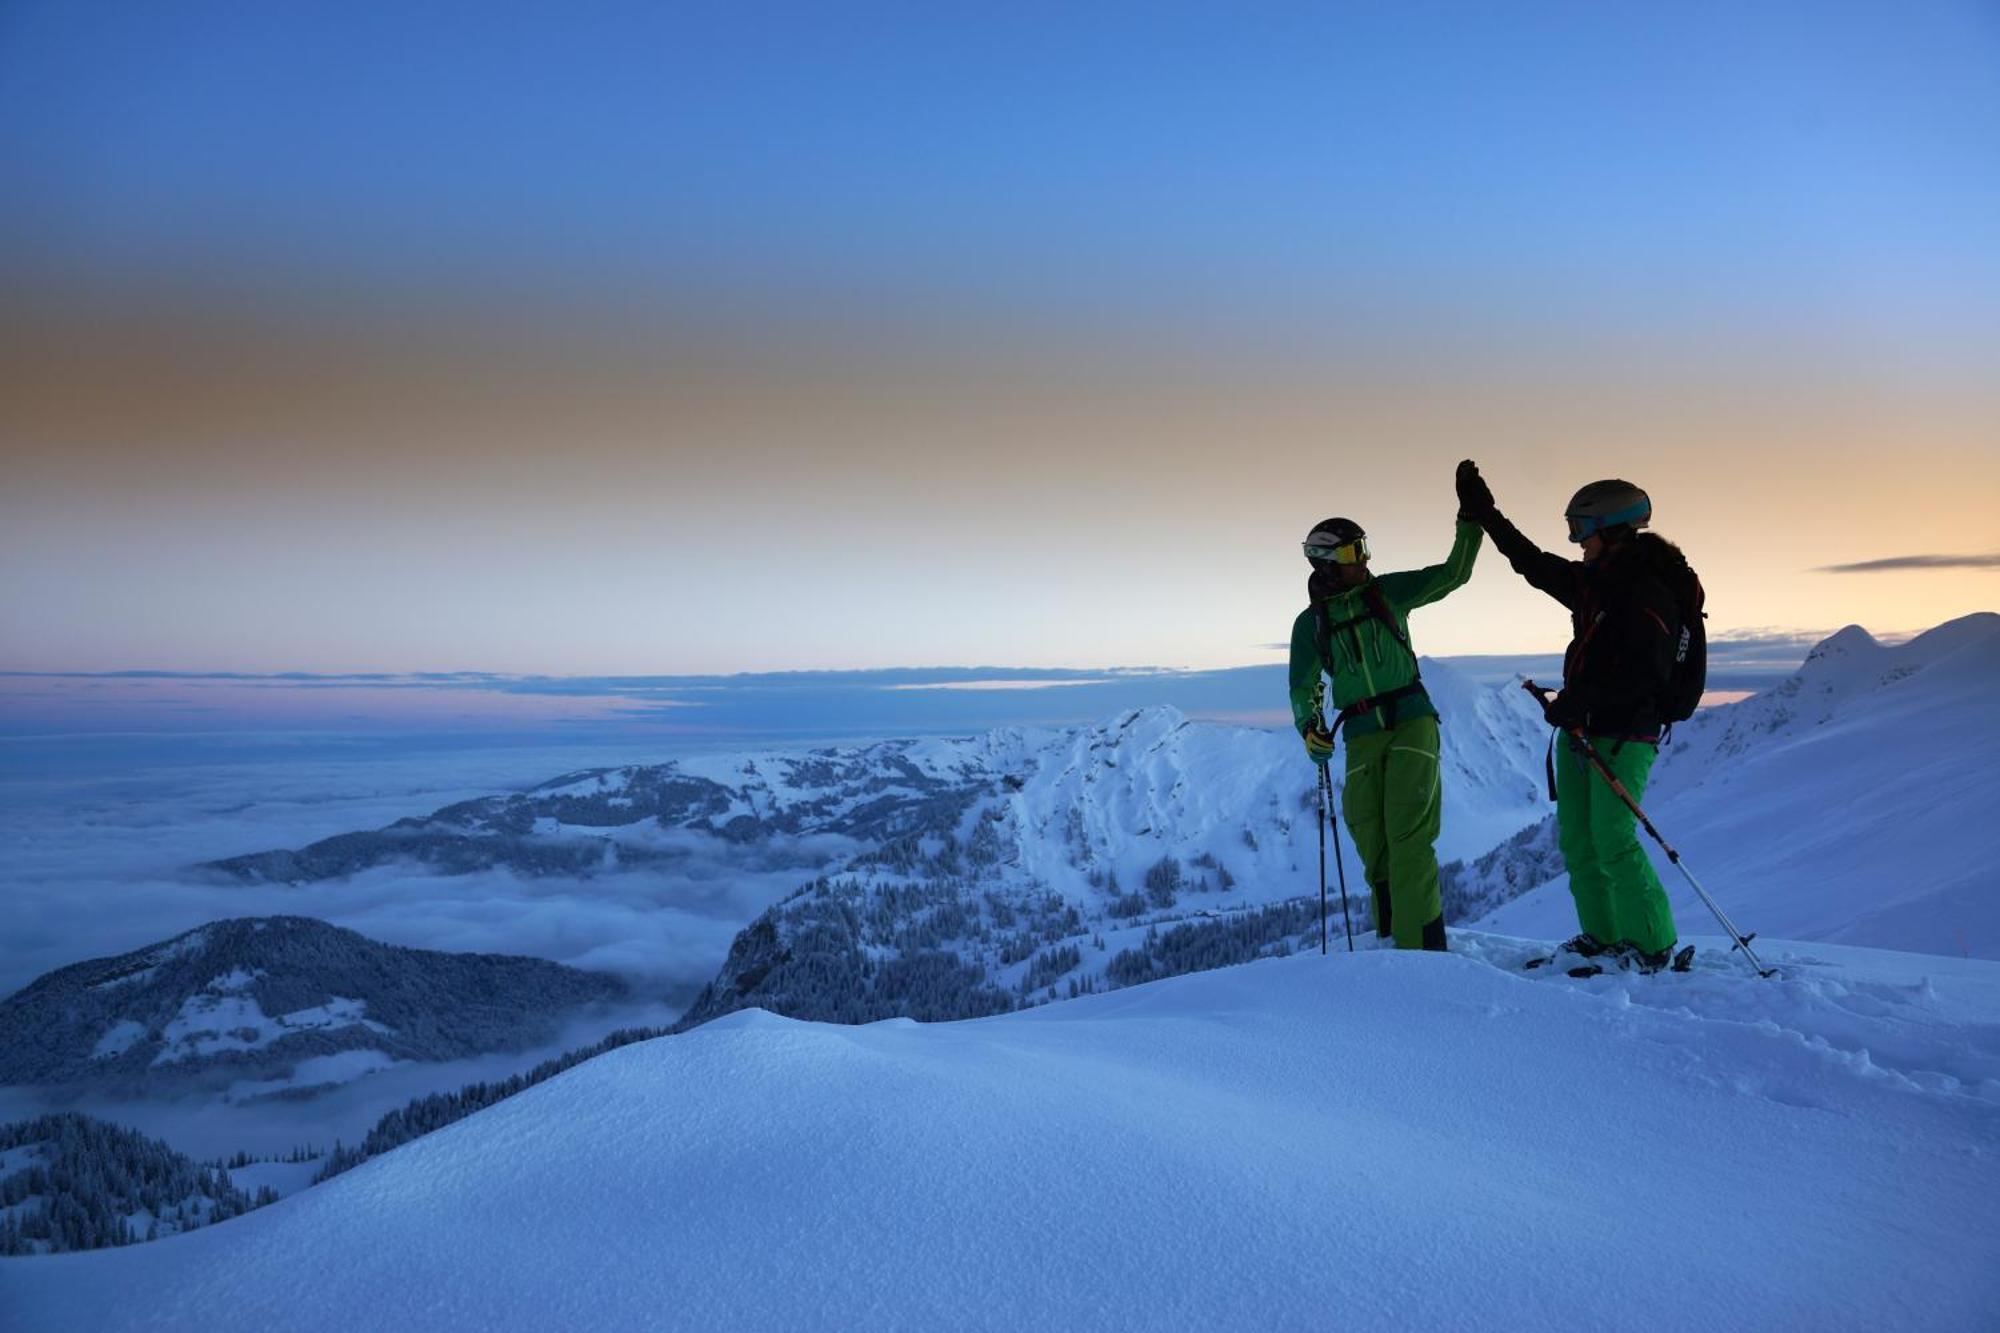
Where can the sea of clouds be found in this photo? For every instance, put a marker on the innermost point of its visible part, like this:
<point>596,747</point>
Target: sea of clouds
<point>104,837</point>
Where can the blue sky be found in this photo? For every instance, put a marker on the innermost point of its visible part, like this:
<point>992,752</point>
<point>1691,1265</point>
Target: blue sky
<point>566,338</point>
<point>1223,144</point>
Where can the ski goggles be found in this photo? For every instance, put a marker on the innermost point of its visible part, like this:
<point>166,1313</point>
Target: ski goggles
<point>1583,526</point>
<point>1347,553</point>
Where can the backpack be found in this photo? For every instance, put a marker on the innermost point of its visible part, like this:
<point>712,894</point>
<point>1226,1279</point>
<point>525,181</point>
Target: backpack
<point>1688,677</point>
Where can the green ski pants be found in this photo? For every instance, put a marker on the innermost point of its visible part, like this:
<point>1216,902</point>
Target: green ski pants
<point>1618,895</point>
<point>1394,810</point>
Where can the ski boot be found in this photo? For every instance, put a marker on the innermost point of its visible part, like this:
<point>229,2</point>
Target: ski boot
<point>1585,945</point>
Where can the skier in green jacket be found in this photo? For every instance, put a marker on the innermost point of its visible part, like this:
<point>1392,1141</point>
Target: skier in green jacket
<point>1356,631</point>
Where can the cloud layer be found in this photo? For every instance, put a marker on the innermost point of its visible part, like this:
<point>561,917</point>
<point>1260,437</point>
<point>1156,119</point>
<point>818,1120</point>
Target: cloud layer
<point>1899,562</point>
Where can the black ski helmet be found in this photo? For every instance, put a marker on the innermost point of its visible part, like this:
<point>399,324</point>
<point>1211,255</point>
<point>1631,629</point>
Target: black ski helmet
<point>1607,504</point>
<point>1332,533</point>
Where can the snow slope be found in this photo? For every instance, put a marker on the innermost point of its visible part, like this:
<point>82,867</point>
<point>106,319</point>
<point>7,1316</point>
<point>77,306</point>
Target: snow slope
<point>1854,802</point>
<point>1372,1141</point>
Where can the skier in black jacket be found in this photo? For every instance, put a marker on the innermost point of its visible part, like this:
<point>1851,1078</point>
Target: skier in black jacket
<point>1615,673</point>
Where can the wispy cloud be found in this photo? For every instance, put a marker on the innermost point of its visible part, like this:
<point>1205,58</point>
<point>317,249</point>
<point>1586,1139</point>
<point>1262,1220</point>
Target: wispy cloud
<point>1896,562</point>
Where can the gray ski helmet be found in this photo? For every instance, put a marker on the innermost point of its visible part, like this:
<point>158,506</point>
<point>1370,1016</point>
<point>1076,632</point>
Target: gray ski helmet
<point>1607,504</point>
<point>1329,535</point>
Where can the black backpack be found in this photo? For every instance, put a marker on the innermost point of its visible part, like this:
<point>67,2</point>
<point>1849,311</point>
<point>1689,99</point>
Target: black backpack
<point>1688,677</point>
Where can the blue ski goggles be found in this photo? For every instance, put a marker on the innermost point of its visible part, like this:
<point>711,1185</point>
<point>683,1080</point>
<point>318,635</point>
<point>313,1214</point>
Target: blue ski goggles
<point>1584,526</point>
<point>1347,553</point>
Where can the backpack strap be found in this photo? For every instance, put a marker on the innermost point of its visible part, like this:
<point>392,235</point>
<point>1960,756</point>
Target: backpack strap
<point>1378,606</point>
<point>1378,610</point>
<point>1324,629</point>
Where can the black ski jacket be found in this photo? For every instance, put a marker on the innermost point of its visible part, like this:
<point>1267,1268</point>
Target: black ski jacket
<point>1622,612</point>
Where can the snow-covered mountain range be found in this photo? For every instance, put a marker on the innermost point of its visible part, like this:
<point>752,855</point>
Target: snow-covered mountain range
<point>1108,799</point>
<point>277,1006</point>
<point>965,876</point>
<point>959,876</point>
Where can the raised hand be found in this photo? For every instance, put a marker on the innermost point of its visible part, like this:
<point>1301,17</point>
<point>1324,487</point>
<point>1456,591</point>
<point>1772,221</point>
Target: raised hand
<point>1475,497</point>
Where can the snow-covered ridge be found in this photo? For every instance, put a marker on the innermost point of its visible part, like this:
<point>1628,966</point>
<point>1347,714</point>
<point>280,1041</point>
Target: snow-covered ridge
<point>1812,1152</point>
<point>1846,671</point>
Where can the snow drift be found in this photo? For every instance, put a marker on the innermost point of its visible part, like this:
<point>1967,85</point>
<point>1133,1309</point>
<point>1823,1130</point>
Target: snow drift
<point>1378,1140</point>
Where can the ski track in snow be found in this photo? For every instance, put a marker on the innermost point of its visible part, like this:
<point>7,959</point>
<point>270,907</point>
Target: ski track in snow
<point>1900,1029</point>
<point>1369,1141</point>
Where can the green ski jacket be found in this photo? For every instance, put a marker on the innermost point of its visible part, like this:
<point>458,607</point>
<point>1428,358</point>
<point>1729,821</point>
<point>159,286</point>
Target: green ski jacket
<point>1367,660</point>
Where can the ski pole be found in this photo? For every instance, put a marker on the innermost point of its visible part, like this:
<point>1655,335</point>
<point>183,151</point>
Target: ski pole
<point>1581,744</point>
<point>1339,862</point>
<point>1322,859</point>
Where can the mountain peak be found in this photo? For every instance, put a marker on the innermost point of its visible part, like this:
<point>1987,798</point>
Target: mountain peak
<point>1847,640</point>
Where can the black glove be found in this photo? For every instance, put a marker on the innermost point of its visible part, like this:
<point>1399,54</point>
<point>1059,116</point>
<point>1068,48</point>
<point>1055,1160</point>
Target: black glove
<point>1475,497</point>
<point>1564,711</point>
